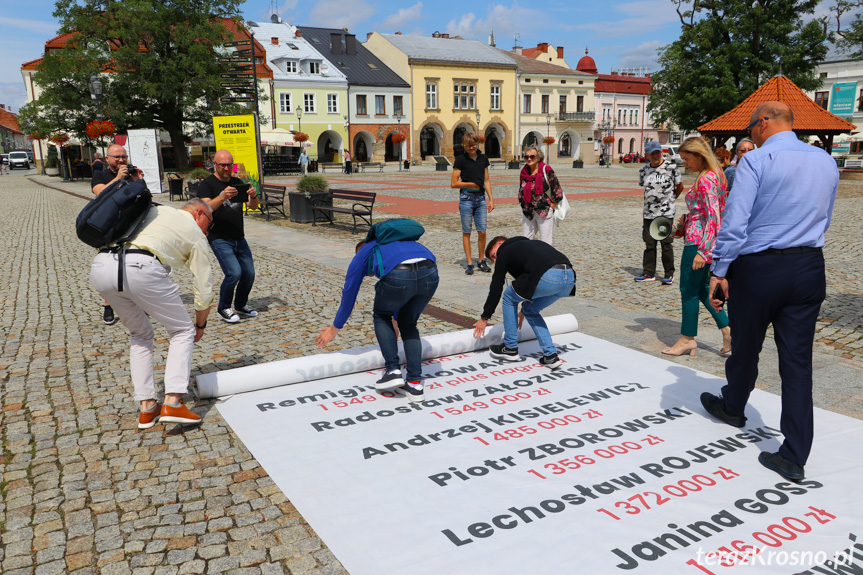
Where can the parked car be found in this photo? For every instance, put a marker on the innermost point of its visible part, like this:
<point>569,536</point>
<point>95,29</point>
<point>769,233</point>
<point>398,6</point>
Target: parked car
<point>670,152</point>
<point>634,158</point>
<point>5,158</point>
<point>19,160</point>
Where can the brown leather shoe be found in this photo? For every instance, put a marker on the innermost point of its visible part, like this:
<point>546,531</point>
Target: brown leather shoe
<point>147,419</point>
<point>180,414</point>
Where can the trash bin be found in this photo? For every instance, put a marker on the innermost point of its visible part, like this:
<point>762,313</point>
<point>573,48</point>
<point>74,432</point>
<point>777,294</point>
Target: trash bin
<point>407,165</point>
<point>175,188</point>
<point>300,205</point>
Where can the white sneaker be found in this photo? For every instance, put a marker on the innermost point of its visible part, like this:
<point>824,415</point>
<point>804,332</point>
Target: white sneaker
<point>246,311</point>
<point>228,315</point>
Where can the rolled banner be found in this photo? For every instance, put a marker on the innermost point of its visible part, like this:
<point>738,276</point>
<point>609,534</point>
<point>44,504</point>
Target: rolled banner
<point>320,366</point>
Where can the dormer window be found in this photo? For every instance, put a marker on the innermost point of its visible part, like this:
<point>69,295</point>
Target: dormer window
<point>314,68</point>
<point>291,66</point>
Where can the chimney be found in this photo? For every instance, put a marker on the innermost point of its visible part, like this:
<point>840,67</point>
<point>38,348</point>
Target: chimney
<point>368,35</point>
<point>560,52</point>
<point>275,41</point>
<point>350,44</point>
<point>614,74</point>
<point>444,35</point>
<point>517,50</point>
<point>298,33</point>
<point>542,47</point>
<point>336,43</point>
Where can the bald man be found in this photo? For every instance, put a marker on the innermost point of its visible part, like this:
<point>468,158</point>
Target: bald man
<point>768,264</point>
<point>228,239</point>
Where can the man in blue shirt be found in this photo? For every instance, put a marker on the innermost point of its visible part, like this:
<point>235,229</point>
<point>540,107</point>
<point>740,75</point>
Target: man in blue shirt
<point>408,280</point>
<point>768,264</point>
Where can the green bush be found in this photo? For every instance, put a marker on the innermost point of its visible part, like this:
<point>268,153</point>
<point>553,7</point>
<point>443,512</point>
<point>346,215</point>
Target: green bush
<point>52,160</point>
<point>312,184</point>
<point>199,174</point>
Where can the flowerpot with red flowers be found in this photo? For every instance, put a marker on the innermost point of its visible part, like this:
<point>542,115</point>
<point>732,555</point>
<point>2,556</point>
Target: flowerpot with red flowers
<point>548,140</point>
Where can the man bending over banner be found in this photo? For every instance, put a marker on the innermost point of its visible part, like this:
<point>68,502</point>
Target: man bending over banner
<point>408,280</point>
<point>542,275</point>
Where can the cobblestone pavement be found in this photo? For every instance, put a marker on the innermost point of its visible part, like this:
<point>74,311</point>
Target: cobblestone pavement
<point>83,491</point>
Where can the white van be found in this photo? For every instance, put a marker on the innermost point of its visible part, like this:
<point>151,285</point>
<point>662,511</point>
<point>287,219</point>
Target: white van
<point>19,160</point>
<point>670,152</point>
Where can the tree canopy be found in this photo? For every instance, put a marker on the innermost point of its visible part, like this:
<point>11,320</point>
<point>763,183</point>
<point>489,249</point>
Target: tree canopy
<point>727,49</point>
<point>158,61</point>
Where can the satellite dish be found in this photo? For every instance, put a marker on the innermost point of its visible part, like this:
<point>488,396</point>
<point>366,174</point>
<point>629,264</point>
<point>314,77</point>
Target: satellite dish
<point>324,68</point>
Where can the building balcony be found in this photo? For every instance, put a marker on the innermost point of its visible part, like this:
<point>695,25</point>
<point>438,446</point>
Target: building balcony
<point>575,116</point>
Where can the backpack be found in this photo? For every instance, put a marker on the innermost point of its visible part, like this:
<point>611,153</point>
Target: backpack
<point>113,217</point>
<point>395,230</point>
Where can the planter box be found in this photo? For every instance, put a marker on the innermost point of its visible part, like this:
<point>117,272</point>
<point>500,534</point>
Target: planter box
<point>840,162</point>
<point>577,164</point>
<point>301,206</point>
<point>52,171</point>
<point>439,167</point>
<point>514,165</point>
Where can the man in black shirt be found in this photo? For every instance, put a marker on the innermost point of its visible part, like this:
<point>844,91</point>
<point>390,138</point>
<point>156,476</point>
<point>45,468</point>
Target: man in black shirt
<point>542,275</point>
<point>117,170</point>
<point>228,239</point>
<point>470,177</point>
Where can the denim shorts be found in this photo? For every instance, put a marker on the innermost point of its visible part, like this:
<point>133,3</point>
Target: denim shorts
<point>472,208</point>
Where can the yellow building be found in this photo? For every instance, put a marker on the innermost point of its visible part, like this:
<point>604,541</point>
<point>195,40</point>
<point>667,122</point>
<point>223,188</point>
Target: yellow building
<point>457,87</point>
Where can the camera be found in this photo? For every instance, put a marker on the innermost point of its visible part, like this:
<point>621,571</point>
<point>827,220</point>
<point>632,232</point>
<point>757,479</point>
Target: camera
<point>132,169</point>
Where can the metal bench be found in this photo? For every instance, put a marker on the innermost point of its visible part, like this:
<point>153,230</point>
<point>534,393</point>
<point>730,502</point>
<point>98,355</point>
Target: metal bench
<point>493,163</point>
<point>855,163</point>
<point>331,165</point>
<point>273,199</point>
<point>361,207</point>
<point>378,165</point>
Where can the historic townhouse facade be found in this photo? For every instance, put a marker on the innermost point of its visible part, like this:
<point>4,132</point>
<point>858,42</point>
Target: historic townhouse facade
<point>555,102</point>
<point>457,86</point>
<point>378,99</point>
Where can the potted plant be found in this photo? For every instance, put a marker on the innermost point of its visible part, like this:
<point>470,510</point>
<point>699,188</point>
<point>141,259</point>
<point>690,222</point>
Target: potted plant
<point>480,138</point>
<point>441,164</point>
<point>548,140</point>
<point>52,162</point>
<point>311,190</point>
<point>398,138</point>
<point>579,163</point>
<point>608,140</point>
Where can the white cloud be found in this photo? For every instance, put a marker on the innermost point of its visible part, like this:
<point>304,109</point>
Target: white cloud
<point>13,94</point>
<point>504,21</point>
<point>397,20</point>
<point>338,14</point>
<point>644,55</point>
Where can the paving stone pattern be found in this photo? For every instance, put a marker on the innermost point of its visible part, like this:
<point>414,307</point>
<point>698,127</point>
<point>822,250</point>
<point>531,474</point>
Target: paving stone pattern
<point>82,491</point>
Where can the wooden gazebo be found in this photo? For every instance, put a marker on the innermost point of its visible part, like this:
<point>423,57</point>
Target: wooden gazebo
<point>809,118</point>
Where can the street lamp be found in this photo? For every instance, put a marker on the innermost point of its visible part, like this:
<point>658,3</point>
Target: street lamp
<point>606,127</point>
<point>548,135</point>
<point>299,111</point>
<point>399,120</point>
<point>96,94</point>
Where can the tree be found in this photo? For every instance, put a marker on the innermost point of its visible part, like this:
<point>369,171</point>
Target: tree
<point>158,61</point>
<point>850,40</point>
<point>727,49</point>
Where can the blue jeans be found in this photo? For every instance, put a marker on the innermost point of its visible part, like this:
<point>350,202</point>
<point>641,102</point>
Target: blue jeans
<point>404,293</point>
<point>235,259</point>
<point>472,207</point>
<point>555,284</point>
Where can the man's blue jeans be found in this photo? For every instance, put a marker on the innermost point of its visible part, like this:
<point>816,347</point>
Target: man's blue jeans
<point>235,259</point>
<point>404,293</point>
<point>555,284</point>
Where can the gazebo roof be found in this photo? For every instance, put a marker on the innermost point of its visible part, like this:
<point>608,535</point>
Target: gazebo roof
<point>809,117</point>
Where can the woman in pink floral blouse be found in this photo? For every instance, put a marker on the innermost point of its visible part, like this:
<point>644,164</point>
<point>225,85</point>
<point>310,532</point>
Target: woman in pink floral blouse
<point>706,203</point>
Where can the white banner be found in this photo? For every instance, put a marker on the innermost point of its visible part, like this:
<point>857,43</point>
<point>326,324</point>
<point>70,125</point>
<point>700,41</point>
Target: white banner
<point>300,369</point>
<point>143,148</point>
<point>607,465</point>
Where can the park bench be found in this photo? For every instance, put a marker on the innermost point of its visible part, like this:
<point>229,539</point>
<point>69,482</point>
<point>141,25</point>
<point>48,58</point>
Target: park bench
<point>493,163</point>
<point>331,165</point>
<point>856,163</point>
<point>273,199</point>
<point>361,204</point>
<point>378,165</point>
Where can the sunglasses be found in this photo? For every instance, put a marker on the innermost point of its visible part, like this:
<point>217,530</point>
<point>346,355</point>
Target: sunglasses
<point>222,165</point>
<point>530,156</point>
<point>752,125</point>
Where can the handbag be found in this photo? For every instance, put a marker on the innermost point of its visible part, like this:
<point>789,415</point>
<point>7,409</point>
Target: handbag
<point>562,209</point>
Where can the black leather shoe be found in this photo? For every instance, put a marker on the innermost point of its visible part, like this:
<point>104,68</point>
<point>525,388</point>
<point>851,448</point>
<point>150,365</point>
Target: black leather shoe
<point>787,469</point>
<point>715,406</point>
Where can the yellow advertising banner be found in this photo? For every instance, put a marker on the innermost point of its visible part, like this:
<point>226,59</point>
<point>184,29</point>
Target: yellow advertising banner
<point>237,135</point>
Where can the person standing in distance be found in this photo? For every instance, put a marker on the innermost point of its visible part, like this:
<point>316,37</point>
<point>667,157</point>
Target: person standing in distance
<point>470,177</point>
<point>304,162</point>
<point>745,146</point>
<point>662,185</point>
<point>227,238</point>
<point>542,275</point>
<point>769,266</point>
<point>118,169</point>
<point>168,238</point>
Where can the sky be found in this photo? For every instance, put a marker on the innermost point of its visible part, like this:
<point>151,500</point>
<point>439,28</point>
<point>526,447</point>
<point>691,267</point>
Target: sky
<point>618,33</point>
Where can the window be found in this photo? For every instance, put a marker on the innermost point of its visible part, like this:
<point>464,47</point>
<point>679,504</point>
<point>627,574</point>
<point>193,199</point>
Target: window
<point>631,115</point>
<point>544,104</point>
<point>822,75</point>
<point>380,105</point>
<point>431,97</point>
<point>285,103</point>
<point>361,105</point>
<point>636,116</point>
<point>398,108</point>
<point>314,67</point>
<point>291,66</point>
<point>606,113</point>
<point>620,146</point>
<point>464,96</point>
<point>620,116</point>
<point>495,97</point>
<point>562,105</point>
<point>526,109</point>
<point>579,104</point>
<point>332,103</point>
<point>821,99</point>
<point>309,105</point>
